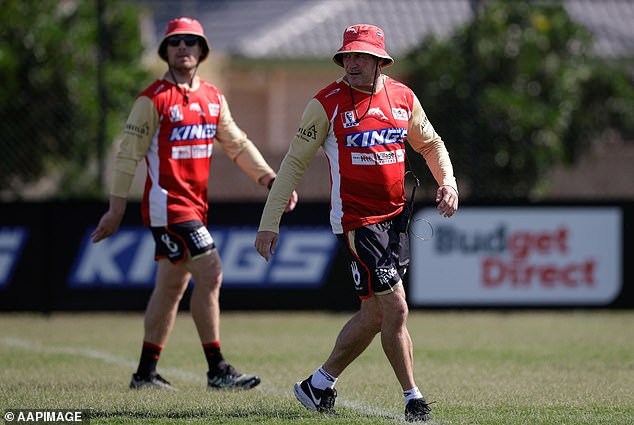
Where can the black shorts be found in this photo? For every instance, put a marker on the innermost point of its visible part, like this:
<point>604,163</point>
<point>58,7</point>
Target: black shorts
<point>174,241</point>
<point>378,255</point>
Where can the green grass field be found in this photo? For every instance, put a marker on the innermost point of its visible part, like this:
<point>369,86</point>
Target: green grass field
<point>545,367</point>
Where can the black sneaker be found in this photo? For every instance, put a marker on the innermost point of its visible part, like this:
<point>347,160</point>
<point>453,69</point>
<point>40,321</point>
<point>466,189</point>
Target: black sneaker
<point>155,381</point>
<point>229,378</point>
<point>417,410</point>
<point>315,399</point>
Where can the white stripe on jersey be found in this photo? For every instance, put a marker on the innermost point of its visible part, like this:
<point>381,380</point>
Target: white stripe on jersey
<point>332,154</point>
<point>157,196</point>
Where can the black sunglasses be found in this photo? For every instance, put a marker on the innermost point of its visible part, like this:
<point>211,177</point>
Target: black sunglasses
<point>175,40</point>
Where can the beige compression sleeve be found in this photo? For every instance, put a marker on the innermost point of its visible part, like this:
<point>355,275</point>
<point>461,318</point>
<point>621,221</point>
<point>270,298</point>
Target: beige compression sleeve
<point>424,140</point>
<point>134,143</point>
<point>310,136</point>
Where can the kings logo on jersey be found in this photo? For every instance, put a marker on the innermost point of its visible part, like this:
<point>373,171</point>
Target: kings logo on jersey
<point>369,138</point>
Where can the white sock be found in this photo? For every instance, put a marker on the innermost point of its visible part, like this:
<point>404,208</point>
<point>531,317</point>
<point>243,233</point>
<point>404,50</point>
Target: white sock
<point>322,379</point>
<point>412,394</point>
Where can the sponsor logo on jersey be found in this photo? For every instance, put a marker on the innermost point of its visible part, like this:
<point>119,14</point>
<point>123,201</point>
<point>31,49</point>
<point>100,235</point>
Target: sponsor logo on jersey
<point>202,238</point>
<point>214,109</point>
<point>360,158</point>
<point>202,151</point>
<point>377,113</point>
<point>137,130</point>
<point>192,151</point>
<point>369,138</point>
<point>159,89</point>
<point>356,275</point>
<point>386,275</point>
<point>181,152</point>
<point>428,129</point>
<point>386,158</point>
<point>348,120</point>
<point>195,106</point>
<point>335,91</point>
<point>175,113</point>
<point>400,114</point>
<point>307,134</point>
<point>378,158</point>
<point>193,132</point>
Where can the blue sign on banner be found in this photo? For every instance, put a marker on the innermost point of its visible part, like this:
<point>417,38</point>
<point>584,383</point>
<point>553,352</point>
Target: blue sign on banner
<point>126,259</point>
<point>12,241</point>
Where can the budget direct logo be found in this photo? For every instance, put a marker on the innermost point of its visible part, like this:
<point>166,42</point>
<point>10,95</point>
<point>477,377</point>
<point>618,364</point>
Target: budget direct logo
<point>126,259</point>
<point>515,257</point>
<point>519,256</point>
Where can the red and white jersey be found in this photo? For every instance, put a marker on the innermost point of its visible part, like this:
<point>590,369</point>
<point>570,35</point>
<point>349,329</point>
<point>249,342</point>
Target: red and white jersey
<point>178,158</point>
<point>365,148</point>
<point>176,134</point>
<point>364,141</point>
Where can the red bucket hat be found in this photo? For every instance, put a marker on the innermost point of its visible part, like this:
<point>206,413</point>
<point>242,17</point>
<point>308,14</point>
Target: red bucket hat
<point>184,26</point>
<point>363,38</point>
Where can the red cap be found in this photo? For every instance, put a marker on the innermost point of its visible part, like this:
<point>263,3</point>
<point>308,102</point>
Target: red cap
<point>363,38</point>
<point>184,26</point>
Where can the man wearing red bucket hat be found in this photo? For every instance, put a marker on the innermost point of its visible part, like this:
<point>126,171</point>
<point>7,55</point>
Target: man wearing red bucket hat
<point>173,126</point>
<point>362,121</point>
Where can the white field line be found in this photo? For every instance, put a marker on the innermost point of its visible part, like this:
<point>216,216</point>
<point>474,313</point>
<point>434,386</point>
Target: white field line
<point>90,354</point>
<point>181,374</point>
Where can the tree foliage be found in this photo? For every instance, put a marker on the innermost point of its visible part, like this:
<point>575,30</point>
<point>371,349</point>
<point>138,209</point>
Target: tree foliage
<point>49,100</point>
<point>517,91</point>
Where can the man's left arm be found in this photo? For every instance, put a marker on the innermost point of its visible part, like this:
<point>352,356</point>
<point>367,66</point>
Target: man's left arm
<point>423,138</point>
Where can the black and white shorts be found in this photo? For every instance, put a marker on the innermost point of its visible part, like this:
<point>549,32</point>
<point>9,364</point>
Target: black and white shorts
<point>174,241</point>
<point>378,256</point>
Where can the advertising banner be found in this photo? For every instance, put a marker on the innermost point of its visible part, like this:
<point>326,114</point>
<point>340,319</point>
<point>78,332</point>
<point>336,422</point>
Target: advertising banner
<point>126,259</point>
<point>486,256</point>
<point>517,256</point>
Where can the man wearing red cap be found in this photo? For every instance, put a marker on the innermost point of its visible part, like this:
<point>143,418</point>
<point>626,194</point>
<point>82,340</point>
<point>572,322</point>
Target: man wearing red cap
<point>173,126</point>
<point>361,121</point>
